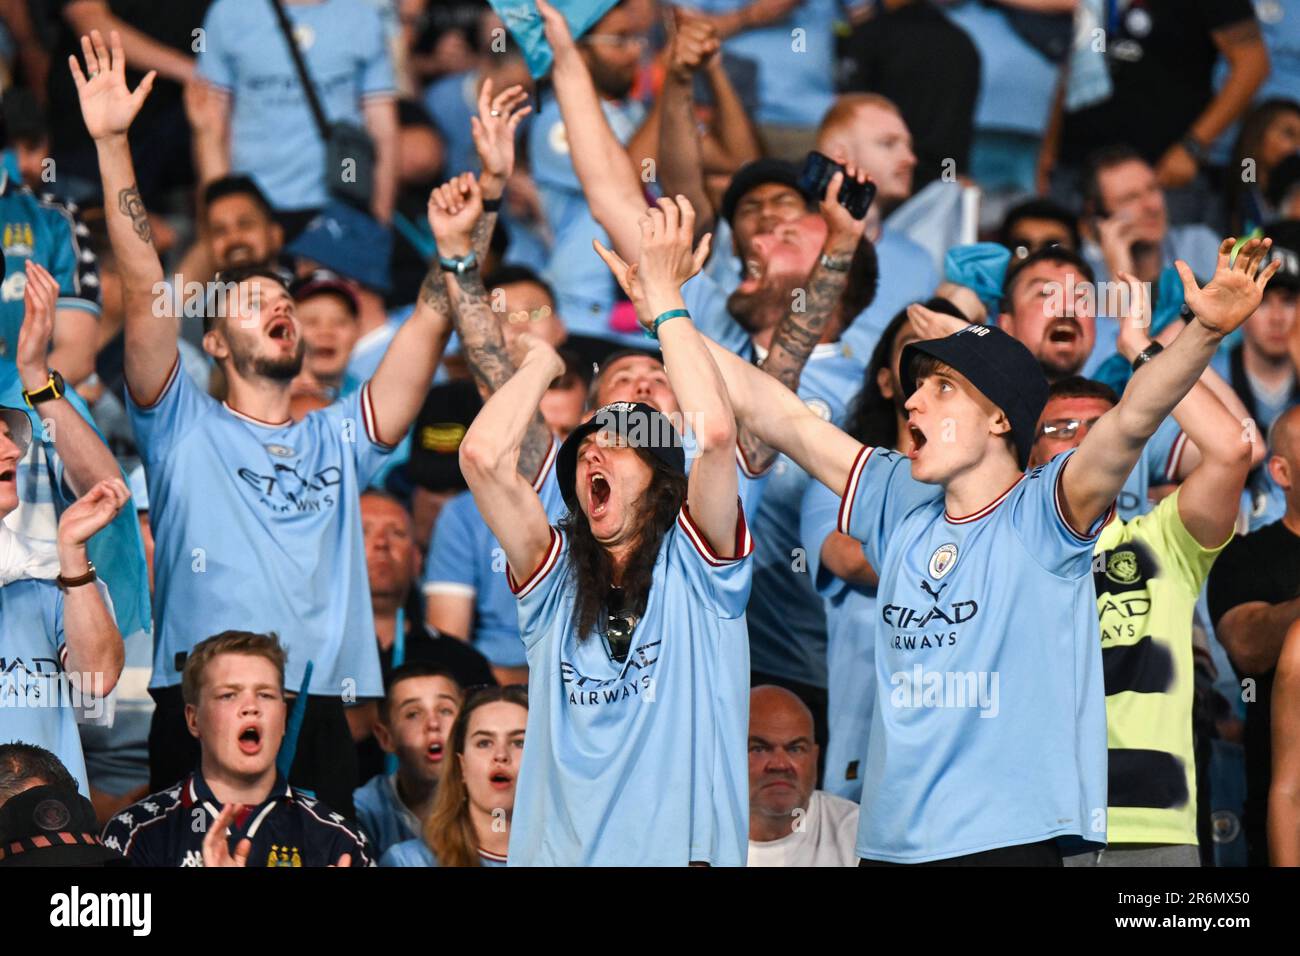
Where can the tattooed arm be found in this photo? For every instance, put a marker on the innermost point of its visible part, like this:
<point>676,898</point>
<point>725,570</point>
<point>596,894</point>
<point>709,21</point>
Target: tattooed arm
<point>799,331</point>
<point>453,207</point>
<point>108,107</point>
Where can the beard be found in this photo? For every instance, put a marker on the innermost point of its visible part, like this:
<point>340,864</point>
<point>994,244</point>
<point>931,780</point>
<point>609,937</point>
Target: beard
<point>612,82</point>
<point>275,369</point>
<point>761,309</point>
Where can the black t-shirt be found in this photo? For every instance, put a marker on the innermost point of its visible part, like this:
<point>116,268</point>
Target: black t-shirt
<point>1161,58</point>
<point>929,67</point>
<point>1263,566</point>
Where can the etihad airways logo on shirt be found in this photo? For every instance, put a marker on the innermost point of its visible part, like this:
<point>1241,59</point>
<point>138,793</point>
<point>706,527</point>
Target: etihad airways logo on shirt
<point>941,615</point>
<point>634,682</point>
<point>287,489</point>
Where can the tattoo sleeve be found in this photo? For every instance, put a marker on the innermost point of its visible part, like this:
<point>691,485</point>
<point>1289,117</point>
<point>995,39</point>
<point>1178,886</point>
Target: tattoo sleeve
<point>484,346</point>
<point>131,205</point>
<point>793,341</point>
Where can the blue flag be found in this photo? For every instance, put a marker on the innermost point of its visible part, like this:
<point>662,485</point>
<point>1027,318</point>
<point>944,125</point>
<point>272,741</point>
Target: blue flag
<point>525,25</point>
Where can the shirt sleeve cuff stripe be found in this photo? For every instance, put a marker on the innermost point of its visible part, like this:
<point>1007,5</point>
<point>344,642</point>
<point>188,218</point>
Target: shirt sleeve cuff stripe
<point>368,417</point>
<point>543,569</point>
<point>851,489</point>
<point>744,542</point>
<point>1175,457</point>
<point>1065,522</point>
<point>171,378</point>
<point>745,468</point>
<point>547,463</point>
<point>452,588</point>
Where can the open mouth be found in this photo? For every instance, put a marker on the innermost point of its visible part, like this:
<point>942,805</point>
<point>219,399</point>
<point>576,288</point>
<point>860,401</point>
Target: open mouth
<point>250,739</point>
<point>280,329</point>
<point>8,474</point>
<point>501,780</point>
<point>753,277</point>
<point>599,494</point>
<point>434,753</point>
<point>1064,332</point>
<point>918,440</point>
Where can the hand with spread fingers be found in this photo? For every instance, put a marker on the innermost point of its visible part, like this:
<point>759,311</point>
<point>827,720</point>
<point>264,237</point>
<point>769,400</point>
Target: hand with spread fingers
<point>1234,292</point>
<point>494,130</point>
<point>108,105</point>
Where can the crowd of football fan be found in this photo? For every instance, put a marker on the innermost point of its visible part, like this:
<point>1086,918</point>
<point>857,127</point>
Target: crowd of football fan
<point>263,592</point>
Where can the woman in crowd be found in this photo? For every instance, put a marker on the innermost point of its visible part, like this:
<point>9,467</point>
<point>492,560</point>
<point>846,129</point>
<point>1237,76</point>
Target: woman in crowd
<point>470,822</point>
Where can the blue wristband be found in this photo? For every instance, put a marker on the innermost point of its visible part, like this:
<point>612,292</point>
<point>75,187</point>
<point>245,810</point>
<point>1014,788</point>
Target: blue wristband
<point>653,333</point>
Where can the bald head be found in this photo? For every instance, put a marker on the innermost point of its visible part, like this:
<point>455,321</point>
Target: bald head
<point>1284,436</point>
<point>782,761</point>
<point>770,704</point>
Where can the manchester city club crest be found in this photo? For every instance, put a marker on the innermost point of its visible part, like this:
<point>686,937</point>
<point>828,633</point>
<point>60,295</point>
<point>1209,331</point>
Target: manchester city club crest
<point>942,561</point>
<point>1122,567</point>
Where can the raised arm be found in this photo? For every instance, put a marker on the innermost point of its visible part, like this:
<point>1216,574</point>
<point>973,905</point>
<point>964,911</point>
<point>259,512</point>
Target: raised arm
<point>799,331</point>
<point>609,180</point>
<point>86,460</point>
<point>654,286</point>
<point>1209,497</point>
<point>93,641</point>
<point>455,209</point>
<point>1112,446</point>
<point>108,107</point>
<point>681,155</point>
<point>489,459</point>
<point>778,417</point>
<point>380,116</point>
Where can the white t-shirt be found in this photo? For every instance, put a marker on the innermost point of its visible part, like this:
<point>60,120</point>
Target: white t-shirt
<point>826,838</point>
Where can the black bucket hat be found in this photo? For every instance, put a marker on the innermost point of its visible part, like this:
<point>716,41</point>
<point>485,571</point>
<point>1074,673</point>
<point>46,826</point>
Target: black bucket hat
<point>641,425</point>
<point>1004,371</point>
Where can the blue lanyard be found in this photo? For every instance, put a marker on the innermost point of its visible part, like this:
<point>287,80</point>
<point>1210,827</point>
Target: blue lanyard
<point>1112,17</point>
<point>399,658</point>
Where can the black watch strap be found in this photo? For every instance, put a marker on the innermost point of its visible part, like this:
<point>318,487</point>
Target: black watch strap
<point>65,583</point>
<point>492,205</point>
<point>54,389</point>
<point>1147,354</point>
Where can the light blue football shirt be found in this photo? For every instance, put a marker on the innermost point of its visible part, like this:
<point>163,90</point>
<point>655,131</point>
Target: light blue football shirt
<point>386,820</point>
<point>466,559</point>
<point>37,704</point>
<point>642,763</point>
<point>989,726</point>
<point>787,625</point>
<point>273,137</point>
<point>257,526</point>
<point>850,649</point>
<point>1157,465</point>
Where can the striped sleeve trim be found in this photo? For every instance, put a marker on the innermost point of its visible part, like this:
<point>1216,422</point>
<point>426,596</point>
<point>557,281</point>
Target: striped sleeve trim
<point>547,464</point>
<point>1175,457</point>
<point>549,562</point>
<point>851,488</point>
<point>744,542</point>
<point>1065,522</point>
<point>162,392</point>
<point>370,421</point>
<point>745,468</point>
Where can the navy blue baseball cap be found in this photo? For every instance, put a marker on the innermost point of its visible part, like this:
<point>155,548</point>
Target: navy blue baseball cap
<point>641,425</point>
<point>757,173</point>
<point>1004,371</point>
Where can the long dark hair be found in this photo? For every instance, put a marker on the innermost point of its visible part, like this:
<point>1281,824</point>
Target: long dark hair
<point>592,572</point>
<point>1257,121</point>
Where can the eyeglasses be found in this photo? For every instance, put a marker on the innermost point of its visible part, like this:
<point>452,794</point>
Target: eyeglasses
<point>616,39</point>
<point>1065,428</point>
